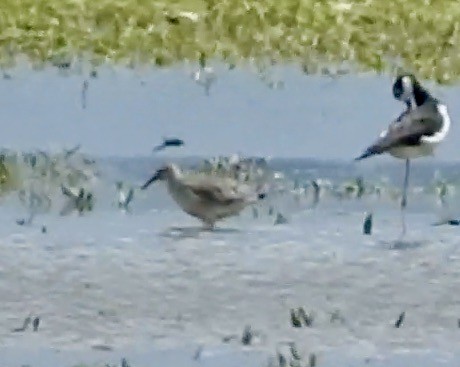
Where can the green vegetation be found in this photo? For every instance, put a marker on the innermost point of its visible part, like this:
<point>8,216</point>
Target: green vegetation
<point>10,178</point>
<point>420,35</point>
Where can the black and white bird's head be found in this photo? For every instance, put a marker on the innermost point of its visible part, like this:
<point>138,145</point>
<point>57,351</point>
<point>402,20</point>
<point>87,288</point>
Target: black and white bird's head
<point>407,89</point>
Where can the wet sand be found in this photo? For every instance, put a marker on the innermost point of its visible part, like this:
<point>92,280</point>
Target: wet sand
<point>135,282</point>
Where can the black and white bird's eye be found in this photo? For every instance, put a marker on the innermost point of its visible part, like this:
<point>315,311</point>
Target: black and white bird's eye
<point>397,88</point>
<point>403,87</point>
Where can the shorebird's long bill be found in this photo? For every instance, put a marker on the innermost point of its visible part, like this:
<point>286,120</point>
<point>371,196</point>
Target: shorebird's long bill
<point>151,180</point>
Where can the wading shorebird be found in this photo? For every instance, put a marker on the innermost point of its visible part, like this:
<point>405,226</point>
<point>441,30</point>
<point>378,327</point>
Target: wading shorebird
<point>207,197</point>
<point>416,132</point>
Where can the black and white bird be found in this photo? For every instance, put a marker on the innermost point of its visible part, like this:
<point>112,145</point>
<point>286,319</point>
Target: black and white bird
<point>416,132</point>
<point>125,196</point>
<point>76,200</point>
<point>169,142</point>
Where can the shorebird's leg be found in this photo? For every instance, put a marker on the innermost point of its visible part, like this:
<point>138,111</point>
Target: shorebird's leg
<point>404,197</point>
<point>208,226</point>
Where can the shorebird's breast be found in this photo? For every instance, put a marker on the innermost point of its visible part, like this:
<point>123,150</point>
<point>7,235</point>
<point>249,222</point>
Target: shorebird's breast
<point>184,197</point>
<point>412,151</point>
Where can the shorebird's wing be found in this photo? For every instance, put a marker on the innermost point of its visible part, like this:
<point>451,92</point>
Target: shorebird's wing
<point>407,129</point>
<point>219,191</point>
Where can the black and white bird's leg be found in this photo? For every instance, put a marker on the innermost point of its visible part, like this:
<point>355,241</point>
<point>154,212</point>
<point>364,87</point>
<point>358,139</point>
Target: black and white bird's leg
<point>406,185</point>
<point>404,196</point>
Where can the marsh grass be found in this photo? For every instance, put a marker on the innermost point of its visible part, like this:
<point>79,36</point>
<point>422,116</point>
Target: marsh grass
<point>12,180</point>
<point>11,175</point>
<point>371,35</point>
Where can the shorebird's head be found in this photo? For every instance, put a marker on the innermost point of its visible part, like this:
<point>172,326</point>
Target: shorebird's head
<point>407,89</point>
<point>162,174</point>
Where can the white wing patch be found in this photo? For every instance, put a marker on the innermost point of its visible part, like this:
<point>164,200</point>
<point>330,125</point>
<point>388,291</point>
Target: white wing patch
<point>383,133</point>
<point>441,134</point>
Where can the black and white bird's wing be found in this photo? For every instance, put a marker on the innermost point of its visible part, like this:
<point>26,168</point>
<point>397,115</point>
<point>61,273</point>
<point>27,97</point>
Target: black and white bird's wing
<point>407,130</point>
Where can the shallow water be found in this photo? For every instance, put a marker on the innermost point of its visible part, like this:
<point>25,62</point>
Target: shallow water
<point>153,287</point>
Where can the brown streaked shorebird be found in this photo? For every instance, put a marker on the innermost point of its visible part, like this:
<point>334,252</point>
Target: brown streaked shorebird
<point>207,197</point>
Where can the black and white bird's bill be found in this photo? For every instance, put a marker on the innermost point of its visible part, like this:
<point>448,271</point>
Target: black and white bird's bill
<point>426,124</point>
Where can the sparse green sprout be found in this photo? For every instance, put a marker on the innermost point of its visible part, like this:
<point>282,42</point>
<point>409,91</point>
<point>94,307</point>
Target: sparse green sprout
<point>246,338</point>
<point>400,319</point>
<point>367,225</point>
<point>307,318</point>
<point>295,320</point>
